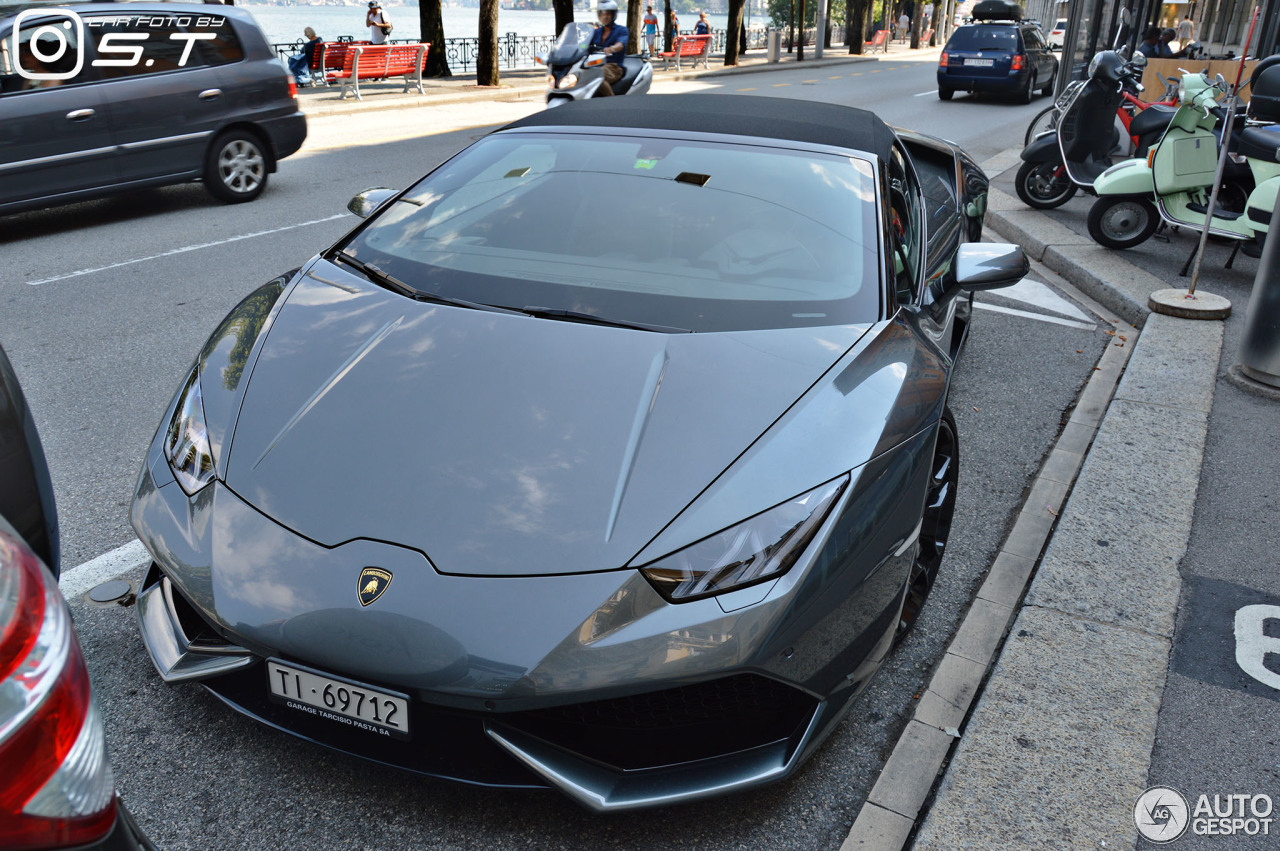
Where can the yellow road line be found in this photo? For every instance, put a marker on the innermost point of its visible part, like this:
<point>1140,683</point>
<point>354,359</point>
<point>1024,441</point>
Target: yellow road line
<point>807,82</point>
<point>748,89</point>
<point>779,85</point>
<point>836,77</point>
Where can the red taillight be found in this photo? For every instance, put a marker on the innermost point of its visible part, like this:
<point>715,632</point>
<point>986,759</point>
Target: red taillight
<point>293,87</point>
<point>57,788</point>
<point>942,60</point>
<point>1017,62</point>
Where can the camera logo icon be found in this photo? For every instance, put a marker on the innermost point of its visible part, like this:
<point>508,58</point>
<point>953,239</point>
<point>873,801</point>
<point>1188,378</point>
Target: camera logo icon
<point>55,48</point>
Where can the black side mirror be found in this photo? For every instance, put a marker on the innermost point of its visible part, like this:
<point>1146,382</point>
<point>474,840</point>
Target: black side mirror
<point>989,265</point>
<point>365,203</point>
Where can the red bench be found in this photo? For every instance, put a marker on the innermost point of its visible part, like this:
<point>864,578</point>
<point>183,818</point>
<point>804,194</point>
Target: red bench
<point>328,57</point>
<point>881,41</point>
<point>692,47</point>
<point>378,62</point>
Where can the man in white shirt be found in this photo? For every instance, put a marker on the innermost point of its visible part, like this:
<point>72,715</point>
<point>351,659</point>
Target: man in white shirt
<point>376,21</point>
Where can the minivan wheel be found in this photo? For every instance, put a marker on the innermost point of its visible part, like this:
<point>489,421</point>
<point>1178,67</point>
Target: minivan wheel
<point>1030,91</point>
<point>235,168</point>
<point>945,94</point>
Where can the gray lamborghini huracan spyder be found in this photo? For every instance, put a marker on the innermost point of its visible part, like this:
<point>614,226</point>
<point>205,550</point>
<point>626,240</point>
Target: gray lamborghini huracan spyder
<point>612,456</point>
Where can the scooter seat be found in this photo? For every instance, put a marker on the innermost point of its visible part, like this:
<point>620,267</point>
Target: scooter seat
<point>1153,119</point>
<point>1260,143</point>
<point>631,66</point>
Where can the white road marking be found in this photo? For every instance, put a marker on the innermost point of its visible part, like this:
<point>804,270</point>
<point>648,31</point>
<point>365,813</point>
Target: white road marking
<point>1042,296</point>
<point>1056,320</point>
<point>109,565</point>
<point>922,94</point>
<point>184,249</point>
<point>1253,644</point>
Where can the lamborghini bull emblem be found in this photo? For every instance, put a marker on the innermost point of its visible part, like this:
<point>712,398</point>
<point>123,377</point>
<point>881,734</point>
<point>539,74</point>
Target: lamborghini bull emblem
<point>373,581</point>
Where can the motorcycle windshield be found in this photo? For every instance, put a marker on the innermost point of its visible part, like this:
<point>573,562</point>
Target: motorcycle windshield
<point>1087,132</point>
<point>572,44</point>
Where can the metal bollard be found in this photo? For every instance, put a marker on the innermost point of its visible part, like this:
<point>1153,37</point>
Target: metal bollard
<point>1259,353</point>
<point>773,39</point>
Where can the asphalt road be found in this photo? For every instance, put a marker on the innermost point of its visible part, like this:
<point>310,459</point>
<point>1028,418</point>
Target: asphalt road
<point>102,308</point>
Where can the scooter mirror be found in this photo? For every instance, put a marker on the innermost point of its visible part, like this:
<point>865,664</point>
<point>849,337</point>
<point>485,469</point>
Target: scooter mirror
<point>1139,61</point>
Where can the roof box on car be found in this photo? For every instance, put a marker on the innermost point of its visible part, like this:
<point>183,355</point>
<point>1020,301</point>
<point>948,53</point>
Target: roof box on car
<point>997,10</point>
<point>1264,90</point>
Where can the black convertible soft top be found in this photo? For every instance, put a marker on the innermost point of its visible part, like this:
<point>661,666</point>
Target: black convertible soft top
<point>771,118</point>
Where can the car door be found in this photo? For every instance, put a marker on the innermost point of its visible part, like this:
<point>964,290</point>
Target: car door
<point>55,138</point>
<point>165,101</point>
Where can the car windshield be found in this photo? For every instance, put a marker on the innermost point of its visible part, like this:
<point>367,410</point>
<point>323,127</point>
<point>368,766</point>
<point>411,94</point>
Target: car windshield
<point>984,37</point>
<point>670,232</point>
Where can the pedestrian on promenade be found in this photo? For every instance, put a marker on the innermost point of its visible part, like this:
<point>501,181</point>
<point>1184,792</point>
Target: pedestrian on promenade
<point>377,22</point>
<point>675,24</point>
<point>1186,32</point>
<point>702,27</point>
<point>300,65</point>
<point>904,24</point>
<point>650,28</point>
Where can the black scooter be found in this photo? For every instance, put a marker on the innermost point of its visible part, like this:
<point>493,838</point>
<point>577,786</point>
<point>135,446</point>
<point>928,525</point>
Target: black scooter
<point>1061,161</point>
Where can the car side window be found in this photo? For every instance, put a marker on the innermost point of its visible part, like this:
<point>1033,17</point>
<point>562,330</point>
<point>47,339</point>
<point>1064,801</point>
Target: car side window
<point>46,56</point>
<point>906,226</point>
<point>1032,39</point>
<point>224,47</point>
<point>133,45</point>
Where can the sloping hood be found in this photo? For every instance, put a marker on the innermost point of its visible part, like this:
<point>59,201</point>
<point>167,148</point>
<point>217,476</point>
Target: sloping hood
<point>499,444</point>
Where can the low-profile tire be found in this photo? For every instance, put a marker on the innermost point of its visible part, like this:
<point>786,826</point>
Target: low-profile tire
<point>1122,221</point>
<point>235,167</point>
<point>1029,93</point>
<point>935,523</point>
<point>1043,186</point>
<point>945,94</point>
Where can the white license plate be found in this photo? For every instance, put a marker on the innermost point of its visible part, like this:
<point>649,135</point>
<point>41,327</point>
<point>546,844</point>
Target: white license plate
<point>339,700</point>
<point>980,63</point>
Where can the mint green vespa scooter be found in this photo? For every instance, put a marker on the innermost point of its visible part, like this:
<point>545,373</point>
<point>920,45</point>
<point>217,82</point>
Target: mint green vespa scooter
<point>1175,181</point>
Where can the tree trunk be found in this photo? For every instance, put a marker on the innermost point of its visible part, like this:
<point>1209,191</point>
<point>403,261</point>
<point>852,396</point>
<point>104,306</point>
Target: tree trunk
<point>564,13</point>
<point>633,26</point>
<point>487,50</point>
<point>732,32</point>
<point>431,25</point>
<point>855,24</point>
<point>791,36</point>
<point>800,27</point>
<point>917,25</point>
<point>936,23</point>
<point>826,30</point>
<point>667,35</point>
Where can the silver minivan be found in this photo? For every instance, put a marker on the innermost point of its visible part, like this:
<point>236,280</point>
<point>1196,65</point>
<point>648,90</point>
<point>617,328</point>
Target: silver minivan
<point>98,98</point>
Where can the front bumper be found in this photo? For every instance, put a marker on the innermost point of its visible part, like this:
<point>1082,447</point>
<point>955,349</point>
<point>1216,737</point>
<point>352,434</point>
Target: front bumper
<point>589,683</point>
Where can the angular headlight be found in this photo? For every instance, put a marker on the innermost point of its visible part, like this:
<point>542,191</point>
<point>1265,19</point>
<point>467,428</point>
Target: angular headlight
<point>760,548</point>
<point>186,444</point>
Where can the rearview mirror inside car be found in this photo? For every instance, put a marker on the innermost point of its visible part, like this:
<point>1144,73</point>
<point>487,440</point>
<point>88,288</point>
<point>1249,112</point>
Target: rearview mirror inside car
<point>989,265</point>
<point>366,202</point>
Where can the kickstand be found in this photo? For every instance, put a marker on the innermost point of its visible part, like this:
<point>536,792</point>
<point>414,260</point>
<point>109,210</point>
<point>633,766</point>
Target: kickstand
<point>1235,249</point>
<point>1187,266</point>
<point>1160,232</point>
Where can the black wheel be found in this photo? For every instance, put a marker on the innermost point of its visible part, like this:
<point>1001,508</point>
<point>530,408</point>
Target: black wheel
<point>945,94</point>
<point>1030,91</point>
<point>1043,185</point>
<point>1122,221</point>
<point>235,168</point>
<point>1045,121</point>
<point>935,523</point>
<point>1047,91</point>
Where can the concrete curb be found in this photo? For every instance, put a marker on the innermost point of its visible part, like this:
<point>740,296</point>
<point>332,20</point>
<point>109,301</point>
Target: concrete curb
<point>889,815</point>
<point>317,107</point>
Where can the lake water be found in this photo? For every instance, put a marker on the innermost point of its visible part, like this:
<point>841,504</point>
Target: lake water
<point>285,23</point>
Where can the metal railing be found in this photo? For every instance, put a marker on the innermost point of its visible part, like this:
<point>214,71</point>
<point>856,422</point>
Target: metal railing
<point>514,51</point>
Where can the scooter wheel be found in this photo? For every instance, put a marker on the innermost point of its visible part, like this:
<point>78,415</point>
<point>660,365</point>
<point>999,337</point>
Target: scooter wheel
<point>1122,221</point>
<point>1043,185</point>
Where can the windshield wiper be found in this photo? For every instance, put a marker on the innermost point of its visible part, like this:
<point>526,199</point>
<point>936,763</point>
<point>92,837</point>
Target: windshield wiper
<point>396,285</point>
<point>593,319</point>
